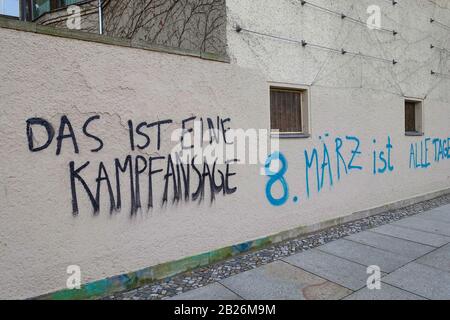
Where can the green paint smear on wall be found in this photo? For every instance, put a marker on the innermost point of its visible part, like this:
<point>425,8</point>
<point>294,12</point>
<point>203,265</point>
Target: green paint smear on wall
<point>132,280</point>
<point>129,281</point>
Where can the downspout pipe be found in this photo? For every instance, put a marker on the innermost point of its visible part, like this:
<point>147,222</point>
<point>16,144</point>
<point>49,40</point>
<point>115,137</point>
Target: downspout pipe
<point>100,17</point>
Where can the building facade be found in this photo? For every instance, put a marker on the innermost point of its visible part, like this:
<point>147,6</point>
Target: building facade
<point>353,96</point>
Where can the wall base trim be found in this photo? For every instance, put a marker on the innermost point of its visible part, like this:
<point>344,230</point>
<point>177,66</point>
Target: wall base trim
<point>132,280</point>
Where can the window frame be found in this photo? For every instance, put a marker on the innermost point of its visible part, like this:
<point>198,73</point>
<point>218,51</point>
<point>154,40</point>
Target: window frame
<point>54,5</point>
<point>19,8</point>
<point>419,117</point>
<point>304,110</point>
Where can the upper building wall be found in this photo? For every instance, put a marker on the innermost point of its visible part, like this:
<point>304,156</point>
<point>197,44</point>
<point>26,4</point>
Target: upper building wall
<point>289,62</point>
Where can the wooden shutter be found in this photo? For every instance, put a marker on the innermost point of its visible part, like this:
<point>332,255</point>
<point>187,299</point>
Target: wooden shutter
<point>54,4</point>
<point>410,117</point>
<point>286,110</point>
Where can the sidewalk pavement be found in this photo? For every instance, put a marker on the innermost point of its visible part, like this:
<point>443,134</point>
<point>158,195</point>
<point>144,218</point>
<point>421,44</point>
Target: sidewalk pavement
<point>413,255</point>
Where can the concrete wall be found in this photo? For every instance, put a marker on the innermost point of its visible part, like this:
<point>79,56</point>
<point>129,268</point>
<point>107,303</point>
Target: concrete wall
<point>40,236</point>
<point>351,98</point>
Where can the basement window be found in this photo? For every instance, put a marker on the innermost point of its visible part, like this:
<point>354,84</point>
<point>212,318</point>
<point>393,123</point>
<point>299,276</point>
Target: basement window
<point>413,118</point>
<point>289,112</point>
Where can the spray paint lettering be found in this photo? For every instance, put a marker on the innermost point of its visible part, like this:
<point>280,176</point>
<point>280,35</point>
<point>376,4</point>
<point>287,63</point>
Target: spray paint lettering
<point>328,164</point>
<point>275,177</point>
<point>187,180</point>
<point>428,151</point>
<point>382,159</point>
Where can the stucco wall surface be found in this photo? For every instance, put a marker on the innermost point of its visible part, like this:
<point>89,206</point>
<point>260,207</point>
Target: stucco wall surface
<point>49,77</point>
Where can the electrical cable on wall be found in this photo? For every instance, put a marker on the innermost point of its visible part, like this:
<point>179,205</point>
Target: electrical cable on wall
<point>434,21</point>
<point>393,2</point>
<point>304,44</point>
<point>344,16</point>
<point>444,75</point>
<point>432,46</point>
<point>343,51</point>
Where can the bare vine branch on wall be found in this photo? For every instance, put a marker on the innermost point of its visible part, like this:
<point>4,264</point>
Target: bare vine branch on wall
<point>198,25</point>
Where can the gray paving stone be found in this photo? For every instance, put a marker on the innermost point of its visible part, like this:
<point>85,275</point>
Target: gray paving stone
<point>280,280</point>
<point>422,237</point>
<point>360,253</point>
<point>436,214</point>
<point>439,258</point>
<point>422,280</point>
<point>402,247</point>
<point>427,225</point>
<point>214,291</point>
<point>387,292</point>
<point>445,208</point>
<point>346,273</point>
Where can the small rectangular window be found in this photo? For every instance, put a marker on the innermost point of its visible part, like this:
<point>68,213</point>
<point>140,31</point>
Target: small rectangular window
<point>288,111</point>
<point>413,117</point>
